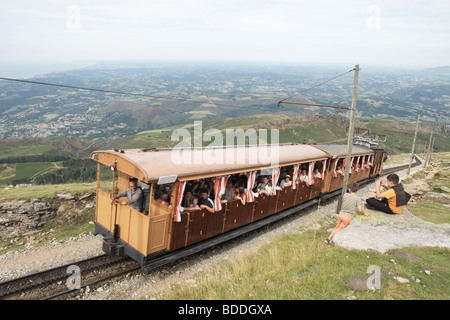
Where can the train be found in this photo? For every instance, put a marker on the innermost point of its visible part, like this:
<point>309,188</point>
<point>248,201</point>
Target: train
<point>168,224</point>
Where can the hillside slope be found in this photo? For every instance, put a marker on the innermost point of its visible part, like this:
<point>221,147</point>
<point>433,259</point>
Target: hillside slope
<point>299,129</point>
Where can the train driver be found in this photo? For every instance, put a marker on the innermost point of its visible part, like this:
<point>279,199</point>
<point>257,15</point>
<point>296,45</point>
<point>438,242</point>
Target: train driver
<point>134,195</point>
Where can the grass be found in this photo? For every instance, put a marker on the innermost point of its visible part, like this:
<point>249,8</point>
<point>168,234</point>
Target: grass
<point>301,266</point>
<point>431,211</point>
<point>11,150</point>
<point>70,223</point>
<point>19,171</point>
<point>45,190</point>
<point>434,211</point>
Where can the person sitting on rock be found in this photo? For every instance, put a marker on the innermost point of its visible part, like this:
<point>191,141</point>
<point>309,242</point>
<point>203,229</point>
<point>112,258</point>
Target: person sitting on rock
<point>393,199</point>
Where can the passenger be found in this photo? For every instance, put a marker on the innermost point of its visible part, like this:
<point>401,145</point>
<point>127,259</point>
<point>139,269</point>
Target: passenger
<point>205,202</point>
<point>286,182</point>
<point>339,169</point>
<point>236,192</point>
<point>164,199</point>
<point>304,177</point>
<point>195,187</point>
<point>135,196</point>
<point>350,202</point>
<point>187,199</point>
<point>194,204</point>
<point>264,187</point>
<point>228,195</point>
<point>393,199</point>
<point>240,195</point>
<point>317,174</point>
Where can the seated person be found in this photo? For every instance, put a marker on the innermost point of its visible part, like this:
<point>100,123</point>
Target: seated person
<point>187,199</point>
<point>339,169</point>
<point>239,194</point>
<point>195,187</point>
<point>164,199</point>
<point>304,177</point>
<point>393,199</point>
<point>205,202</point>
<point>317,174</point>
<point>228,195</point>
<point>286,182</point>
<point>264,187</point>
<point>135,196</point>
<point>194,204</point>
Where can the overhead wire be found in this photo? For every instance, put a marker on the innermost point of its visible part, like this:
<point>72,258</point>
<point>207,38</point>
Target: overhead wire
<point>317,85</point>
<point>161,97</point>
<point>111,91</point>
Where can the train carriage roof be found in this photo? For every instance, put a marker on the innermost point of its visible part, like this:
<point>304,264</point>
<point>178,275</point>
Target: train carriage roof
<point>339,150</point>
<point>188,164</point>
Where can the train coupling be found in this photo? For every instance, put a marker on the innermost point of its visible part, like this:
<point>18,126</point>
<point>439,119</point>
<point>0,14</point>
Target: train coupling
<point>113,248</point>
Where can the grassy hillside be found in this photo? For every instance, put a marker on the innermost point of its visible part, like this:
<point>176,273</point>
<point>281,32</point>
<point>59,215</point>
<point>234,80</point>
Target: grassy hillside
<point>302,267</point>
<point>71,147</point>
<point>300,129</point>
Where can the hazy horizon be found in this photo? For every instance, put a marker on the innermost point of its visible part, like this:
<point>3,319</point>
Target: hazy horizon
<point>394,33</point>
<point>28,69</point>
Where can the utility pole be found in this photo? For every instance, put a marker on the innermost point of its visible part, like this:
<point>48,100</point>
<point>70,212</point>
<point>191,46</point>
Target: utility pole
<point>350,139</point>
<point>413,146</point>
<point>429,149</point>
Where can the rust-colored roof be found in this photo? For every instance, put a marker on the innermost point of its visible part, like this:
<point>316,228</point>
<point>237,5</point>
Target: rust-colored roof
<point>340,150</point>
<point>151,164</point>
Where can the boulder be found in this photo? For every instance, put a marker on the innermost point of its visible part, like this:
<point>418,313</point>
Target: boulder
<point>65,196</point>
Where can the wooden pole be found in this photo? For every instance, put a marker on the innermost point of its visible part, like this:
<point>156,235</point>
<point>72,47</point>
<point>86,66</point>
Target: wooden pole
<point>350,139</point>
<point>413,146</point>
<point>429,149</point>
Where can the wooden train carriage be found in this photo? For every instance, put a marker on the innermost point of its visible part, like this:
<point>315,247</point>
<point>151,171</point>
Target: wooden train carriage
<point>159,227</point>
<point>365,162</point>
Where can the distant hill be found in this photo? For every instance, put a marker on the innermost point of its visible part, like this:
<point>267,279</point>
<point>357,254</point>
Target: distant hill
<point>45,147</point>
<point>307,129</point>
<point>39,160</point>
<point>209,91</point>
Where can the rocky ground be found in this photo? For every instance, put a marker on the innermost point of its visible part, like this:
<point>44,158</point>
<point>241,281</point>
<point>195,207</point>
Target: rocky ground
<point>382,232</point>
<point>379,232</point>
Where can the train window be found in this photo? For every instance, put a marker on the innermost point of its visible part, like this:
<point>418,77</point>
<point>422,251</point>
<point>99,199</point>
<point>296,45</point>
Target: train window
<point>107,176</point>
<point>146,193</point>
<point>162,193</point>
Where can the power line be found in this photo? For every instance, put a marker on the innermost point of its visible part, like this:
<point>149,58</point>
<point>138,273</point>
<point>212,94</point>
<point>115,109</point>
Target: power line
<point>114,92</point>
<point>317,85</point>
<point>160,97</point>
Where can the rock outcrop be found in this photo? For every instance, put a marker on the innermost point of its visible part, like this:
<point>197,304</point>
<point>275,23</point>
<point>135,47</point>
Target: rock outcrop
<point>23,217</point>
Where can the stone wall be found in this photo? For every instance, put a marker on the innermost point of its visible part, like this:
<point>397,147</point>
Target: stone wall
<point>23,217</point>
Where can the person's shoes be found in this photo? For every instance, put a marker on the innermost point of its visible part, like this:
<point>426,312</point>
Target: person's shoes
<point>327,241</point>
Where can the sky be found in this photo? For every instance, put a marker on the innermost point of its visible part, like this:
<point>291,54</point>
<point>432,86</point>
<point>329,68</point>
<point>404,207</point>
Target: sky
<point>376,32</point>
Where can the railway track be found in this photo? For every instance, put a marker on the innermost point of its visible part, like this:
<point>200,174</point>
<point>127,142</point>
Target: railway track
<point>53,283</point>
